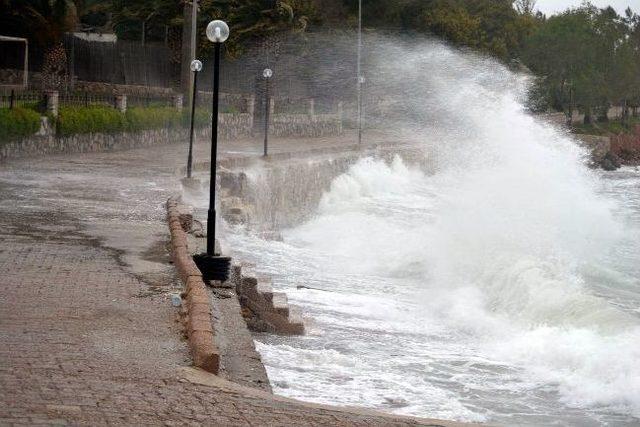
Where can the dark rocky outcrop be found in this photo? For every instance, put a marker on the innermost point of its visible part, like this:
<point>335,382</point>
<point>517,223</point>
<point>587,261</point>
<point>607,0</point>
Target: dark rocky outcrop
<point>610,162</point>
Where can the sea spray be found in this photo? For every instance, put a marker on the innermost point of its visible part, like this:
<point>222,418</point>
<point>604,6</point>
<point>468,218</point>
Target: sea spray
<point>501,286</point>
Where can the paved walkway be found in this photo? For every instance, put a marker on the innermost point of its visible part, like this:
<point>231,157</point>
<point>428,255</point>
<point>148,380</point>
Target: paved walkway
<point>87,333</point>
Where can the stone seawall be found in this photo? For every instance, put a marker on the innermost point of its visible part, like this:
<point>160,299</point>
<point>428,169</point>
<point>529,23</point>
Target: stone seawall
<point>284,190</point>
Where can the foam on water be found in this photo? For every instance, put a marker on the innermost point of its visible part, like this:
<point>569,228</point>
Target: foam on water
<point>503,286</point>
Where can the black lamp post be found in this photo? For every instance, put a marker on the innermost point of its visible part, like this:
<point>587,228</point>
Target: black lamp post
<point>196,66</point>
<point>360,83</point>
<point>267,73</point>
<point>211,264</point>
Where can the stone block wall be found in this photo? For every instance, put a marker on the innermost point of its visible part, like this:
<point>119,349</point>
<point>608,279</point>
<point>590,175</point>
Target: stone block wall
<point>38,145</point>
<point>232,126</point>
<point>263,309</point>
<point>305,125</point>
<point>46,142</point>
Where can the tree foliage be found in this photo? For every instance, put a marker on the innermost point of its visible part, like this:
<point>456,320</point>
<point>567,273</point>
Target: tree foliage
<point>489,25</point>
<point>586,58</point>
<point>590,59</point>
<point>254,20</point>
<point>41,21</point>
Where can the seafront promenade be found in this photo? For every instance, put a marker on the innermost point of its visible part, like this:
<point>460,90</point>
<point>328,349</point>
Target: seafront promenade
<point>87,331</point>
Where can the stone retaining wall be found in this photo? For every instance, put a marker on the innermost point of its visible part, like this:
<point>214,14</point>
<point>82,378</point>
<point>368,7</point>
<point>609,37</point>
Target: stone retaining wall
<point>305,125</point>
<point>232,126</point>
<point>44,143</point>
<point>88,143</point>
<point>196,308</point>
<point>39,145</point>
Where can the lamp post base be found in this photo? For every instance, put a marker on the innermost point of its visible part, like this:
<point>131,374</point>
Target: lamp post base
<point>193,184</point>
<point>213,267</point>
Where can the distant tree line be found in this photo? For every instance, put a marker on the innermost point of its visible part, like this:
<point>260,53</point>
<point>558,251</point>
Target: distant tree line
<point>588,59</point>
<point>585,58</point>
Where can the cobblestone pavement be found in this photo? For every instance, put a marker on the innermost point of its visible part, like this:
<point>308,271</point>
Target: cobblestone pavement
<point>87,333</point>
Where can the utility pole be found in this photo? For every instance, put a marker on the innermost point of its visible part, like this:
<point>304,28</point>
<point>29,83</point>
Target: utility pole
<point>189,42</point>
<point>194,27</point>
<point>194,30</point>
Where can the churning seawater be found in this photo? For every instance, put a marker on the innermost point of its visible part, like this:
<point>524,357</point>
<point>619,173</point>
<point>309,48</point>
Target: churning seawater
<point>503,285</point>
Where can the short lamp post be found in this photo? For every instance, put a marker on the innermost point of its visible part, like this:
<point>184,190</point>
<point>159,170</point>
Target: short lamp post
<point>267,73</point>
<point>211,264</point>
<point>196,67</point>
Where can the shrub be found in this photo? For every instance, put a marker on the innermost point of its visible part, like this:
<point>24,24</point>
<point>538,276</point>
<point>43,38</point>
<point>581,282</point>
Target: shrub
<point>73,120</point>
<point>17,123</point>
<point>152,118</point>
<point>202,118</point>
<point>230,110</point>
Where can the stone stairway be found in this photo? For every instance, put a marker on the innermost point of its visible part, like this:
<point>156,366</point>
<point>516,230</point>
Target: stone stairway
<point>264,309</point>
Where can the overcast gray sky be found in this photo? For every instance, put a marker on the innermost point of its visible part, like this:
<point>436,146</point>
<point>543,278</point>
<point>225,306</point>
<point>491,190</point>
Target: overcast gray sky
<point>553,6</point>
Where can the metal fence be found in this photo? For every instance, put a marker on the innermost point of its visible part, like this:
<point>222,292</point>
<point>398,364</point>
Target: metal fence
<point>313,65</point>
<point>26,99</point>
<point>149,101</point>
<point>36,100</point>
<point>86,99</point>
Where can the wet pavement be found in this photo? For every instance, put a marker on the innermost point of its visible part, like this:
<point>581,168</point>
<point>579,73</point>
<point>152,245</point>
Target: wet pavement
<point>87,331</point>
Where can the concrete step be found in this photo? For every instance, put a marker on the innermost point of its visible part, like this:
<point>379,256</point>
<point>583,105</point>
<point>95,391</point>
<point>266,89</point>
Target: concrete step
<point>264,288</point>
<point>280,304</point>
<point>296,324</point>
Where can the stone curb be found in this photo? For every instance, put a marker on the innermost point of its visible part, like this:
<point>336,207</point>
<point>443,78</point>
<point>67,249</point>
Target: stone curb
<point>196,305</point>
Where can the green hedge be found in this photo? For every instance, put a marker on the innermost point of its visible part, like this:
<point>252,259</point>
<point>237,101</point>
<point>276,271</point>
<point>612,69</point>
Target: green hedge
<point>73,120</point>
<point>152,118</point>
<point>18,123</point>
<point>202,118</point>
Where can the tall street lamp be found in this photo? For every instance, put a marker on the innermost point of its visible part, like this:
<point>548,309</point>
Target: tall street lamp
<point>212,265</point>
<point>196,66</point>
<point>361,81</point>
<point>358,71</point>
<point>267,73</point>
